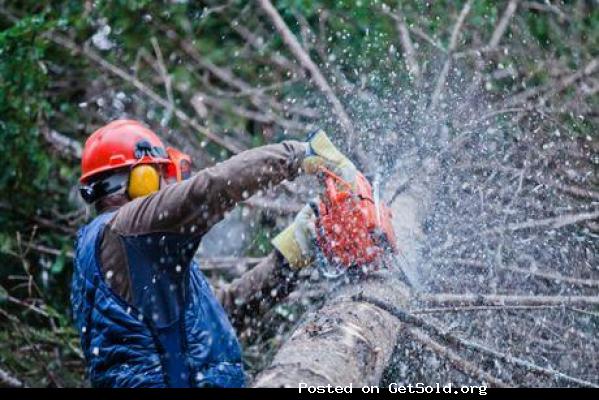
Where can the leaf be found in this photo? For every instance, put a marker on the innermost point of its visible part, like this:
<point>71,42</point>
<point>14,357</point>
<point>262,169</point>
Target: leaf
<point>59,264</point>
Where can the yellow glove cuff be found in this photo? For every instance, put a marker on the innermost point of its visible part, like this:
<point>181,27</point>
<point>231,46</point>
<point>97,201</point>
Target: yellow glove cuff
<point>286,243</point>
<point>322,146</point>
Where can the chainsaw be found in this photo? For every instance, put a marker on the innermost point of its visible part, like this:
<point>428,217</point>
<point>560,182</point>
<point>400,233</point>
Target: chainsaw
<point>353,228</point>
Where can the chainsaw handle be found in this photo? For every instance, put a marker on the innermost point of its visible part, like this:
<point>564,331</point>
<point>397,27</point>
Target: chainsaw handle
<point>324,173</point>
<point>331,180</point>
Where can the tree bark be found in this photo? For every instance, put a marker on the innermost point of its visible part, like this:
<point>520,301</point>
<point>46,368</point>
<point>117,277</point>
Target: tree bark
<point>347,340</point>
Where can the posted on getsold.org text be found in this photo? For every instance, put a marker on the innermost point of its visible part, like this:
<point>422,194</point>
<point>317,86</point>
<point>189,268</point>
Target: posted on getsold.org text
<point>411,388</point>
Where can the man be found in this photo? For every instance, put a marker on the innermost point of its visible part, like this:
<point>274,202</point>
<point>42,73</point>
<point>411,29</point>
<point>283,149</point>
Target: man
<point>146,315</point>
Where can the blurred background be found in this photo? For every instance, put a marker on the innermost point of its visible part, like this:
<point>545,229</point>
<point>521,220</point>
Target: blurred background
<point>392,82</point>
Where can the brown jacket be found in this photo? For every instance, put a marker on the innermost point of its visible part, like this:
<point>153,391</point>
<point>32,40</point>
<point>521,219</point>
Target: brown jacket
<point>193,206</point>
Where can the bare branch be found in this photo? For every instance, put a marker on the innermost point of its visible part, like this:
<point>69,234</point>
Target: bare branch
<point>544,275</point>
<point>101,61</point>
<point>590,68</point>
<point>456,360</point>
<point>443,310</point>
<point>453,41</point>
<point>552,88</point>
<point>166,78</point>
<point>548,181</point>
<point>406,41</point>
<point>545,7</point>
<point>479,52</point>
<point>63,144</point>
<point>266,116</point>
<point>423,35</point>
<point>256,96</point>
<point>451,338</point>
<point>51,251</point>
<point>447,299</point>
<point>523,363</point>
<point>455,34</point>
<point>258,44</point>
<point>548,223</point>
<point>503,23</point>
<point>29,306</point>
<point>305,60</point>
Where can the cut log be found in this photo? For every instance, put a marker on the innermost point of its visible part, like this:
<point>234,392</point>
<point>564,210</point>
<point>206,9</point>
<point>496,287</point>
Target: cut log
<point>348,341</point>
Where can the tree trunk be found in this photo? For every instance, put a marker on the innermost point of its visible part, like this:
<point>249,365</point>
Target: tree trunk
<point>347,340</point>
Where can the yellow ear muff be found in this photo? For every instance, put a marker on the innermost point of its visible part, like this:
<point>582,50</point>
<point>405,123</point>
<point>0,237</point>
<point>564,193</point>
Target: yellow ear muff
<point>143,180</point>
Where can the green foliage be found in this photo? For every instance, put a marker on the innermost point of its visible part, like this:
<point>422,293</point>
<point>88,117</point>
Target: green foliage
<point>32,179</point>
<point>22,71</point>
<point>32,354</point>
<point>260,245</point>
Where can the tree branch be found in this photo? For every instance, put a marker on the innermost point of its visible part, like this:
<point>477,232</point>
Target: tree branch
<point>405,40</point>
<point>453,42</point>
<point>554,87</point>
<point>544,275</point>
<point>305,60</point>
<point>93,56</point>
<point>547,223</point>
<point>503,23</point>
<point>449,337</point>
<point>456,360</point>
<point>451,299</point>
<point>166,78</point>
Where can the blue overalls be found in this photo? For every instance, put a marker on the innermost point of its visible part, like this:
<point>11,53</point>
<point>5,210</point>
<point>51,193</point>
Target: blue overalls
<point>173,334</point>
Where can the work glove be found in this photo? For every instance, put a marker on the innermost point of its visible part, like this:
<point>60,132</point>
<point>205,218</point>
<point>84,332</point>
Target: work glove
<point>321,152</point>
<point>296,242</point>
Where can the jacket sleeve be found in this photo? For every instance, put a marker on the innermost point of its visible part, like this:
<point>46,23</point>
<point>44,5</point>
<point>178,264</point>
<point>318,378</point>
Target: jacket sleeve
<point>256,291</point>
<point>193,206</point>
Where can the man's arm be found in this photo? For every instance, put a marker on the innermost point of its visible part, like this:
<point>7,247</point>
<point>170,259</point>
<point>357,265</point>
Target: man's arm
<point>257,290</point>
<point>195,205</point>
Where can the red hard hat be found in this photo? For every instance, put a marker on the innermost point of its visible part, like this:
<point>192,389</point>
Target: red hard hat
<point>119,144</point>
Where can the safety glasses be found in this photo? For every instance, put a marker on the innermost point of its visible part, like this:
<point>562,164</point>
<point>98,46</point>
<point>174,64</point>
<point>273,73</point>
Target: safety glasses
<point>104,186</point>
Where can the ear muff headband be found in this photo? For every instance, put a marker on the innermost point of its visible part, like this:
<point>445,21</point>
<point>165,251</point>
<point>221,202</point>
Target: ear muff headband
<point>144,179</point>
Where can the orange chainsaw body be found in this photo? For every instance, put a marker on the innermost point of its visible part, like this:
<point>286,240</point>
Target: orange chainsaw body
<point>350,229</point>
